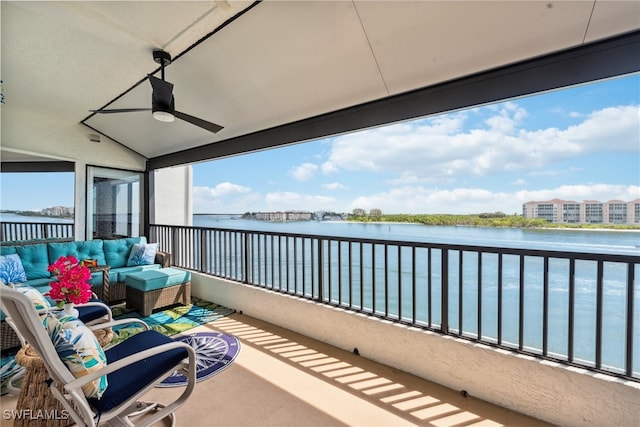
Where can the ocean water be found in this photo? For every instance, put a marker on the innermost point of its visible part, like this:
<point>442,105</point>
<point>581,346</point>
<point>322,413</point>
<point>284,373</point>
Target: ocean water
<point>583,241</point>
<point>398,293</point>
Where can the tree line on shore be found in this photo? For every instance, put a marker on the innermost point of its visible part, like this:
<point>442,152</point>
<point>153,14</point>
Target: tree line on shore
<point>494,219</point>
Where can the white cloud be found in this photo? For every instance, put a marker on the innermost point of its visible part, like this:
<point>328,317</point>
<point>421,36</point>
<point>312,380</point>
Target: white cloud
<point>334,186</point>
<point>220,190</point>
<point>329,167</point>
<point>225,197</point>
<point>282,201</point>
<point>419,199</point>
<point>437,148</point>
<point>519,182</point>
<point>579,193</point>
<point>304,172</point>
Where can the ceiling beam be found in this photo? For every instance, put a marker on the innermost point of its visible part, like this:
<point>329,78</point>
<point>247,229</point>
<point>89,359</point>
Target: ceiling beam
<point>596,61</point>
<point>54,166</point>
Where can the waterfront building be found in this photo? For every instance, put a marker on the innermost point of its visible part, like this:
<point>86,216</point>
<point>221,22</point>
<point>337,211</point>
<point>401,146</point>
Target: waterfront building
<point>58,211</point>
<point>586,212</point>
<point>283,216</point>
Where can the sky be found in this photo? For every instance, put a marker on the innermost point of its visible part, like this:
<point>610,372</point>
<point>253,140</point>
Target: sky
<point>577,144</point>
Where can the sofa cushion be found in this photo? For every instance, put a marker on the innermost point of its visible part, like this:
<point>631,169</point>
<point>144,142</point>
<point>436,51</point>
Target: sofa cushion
<point>43,285</point>
<point>7,250</point>
<point>120,274</point>
<point>152,280</point>
<point>11,269</point>
<point>116,252</point>
<point>34,260</point>
<point>85,249</point>
<point>97,279</point>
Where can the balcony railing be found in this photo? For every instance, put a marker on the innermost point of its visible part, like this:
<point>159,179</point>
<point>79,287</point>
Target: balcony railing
<point>23,231</point>
<point>580,309</point>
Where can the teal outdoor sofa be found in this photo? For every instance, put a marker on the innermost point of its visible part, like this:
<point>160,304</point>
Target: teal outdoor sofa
<point>37,257</point>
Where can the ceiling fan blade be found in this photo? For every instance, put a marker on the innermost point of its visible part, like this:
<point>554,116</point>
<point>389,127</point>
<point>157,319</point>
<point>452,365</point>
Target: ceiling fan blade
<point>120,110</point>
<point>211,127</point>
<point>162,90</point>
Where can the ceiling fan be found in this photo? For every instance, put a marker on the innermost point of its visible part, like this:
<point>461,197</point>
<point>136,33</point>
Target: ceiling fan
<point>162,100</point>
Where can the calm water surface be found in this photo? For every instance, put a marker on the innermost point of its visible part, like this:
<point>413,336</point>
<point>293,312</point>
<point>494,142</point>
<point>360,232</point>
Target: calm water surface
<point>598,241</point>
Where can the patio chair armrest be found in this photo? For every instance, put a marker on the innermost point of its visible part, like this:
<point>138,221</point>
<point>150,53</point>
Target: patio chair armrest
<point>99,304</point>
<point>78,383</point>
<point>118,323</point>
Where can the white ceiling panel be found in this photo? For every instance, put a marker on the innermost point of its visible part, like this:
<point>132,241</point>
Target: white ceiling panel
<point>612,17</point>
<point>305,56</point>
<point>275,63</point>
<point>422,43</point>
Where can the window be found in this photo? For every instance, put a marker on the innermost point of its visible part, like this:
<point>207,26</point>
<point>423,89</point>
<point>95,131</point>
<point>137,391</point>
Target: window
<point>114,203</point>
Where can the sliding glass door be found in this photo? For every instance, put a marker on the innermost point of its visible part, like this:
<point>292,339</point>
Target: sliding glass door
<point>114,203</point>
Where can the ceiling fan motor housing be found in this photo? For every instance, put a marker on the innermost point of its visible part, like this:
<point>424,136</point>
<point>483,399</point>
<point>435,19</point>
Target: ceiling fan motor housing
<point>161,111</point>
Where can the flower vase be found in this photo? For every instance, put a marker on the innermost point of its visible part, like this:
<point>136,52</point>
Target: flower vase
<point>69,310</point>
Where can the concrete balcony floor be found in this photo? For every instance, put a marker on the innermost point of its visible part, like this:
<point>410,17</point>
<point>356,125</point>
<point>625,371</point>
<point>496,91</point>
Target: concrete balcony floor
<point>281,378</point>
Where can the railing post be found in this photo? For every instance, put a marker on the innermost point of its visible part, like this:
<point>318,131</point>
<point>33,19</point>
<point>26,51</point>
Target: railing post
<point>175,253</point>
<point>444,323</point>
<point>247,268</point>
<point>203,237</point>
<point>320,270</point>
<point>630,312</point>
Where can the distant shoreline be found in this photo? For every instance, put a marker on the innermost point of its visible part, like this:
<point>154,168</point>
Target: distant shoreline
<point>559,228</point>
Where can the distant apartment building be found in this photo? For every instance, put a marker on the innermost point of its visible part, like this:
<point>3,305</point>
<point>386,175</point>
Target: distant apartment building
<point>586,212</point>
<point>58,211</point>
<point>284,216</point>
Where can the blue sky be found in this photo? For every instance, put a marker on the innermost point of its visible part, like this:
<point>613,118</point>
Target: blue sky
<point>577,144</point>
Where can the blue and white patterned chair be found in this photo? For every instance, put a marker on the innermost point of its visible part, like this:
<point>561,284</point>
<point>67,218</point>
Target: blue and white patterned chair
<point>102,385</point>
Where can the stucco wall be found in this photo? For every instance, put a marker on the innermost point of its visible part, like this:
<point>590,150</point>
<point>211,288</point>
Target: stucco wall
<point>171,196</point>
<point>555,393</point>
<point>58,140</point>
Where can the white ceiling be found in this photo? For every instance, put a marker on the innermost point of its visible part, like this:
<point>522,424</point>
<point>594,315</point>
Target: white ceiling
<point>277,63</point>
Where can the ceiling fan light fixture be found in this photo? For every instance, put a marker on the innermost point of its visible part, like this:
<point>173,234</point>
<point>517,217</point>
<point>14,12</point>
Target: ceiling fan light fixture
<point>163,116</point>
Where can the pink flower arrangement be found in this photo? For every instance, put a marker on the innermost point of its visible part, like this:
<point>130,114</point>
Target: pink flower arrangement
<point>73,281</point>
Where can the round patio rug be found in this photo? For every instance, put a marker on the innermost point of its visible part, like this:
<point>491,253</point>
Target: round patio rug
<point>214,352</point>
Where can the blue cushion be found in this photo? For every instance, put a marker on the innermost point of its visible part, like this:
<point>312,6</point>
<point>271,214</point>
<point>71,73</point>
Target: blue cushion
<point>97,278</point>
<point>121,273</point>
<point>151,280</point>
<point>87,314</point>
<point>129,380</point>
<point>89,249</point>
<point>142,254</point>
<point>34,260</point>
<point>11,269</point>
<point>43,285</point>
<point>7,250</point>
<point>116,252</point>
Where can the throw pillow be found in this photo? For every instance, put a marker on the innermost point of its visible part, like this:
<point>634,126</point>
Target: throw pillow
<point>40,302</point>
<point>79,349</point>
<point>89,263</point>
<point>11,269</point>
<point>142,254</point>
